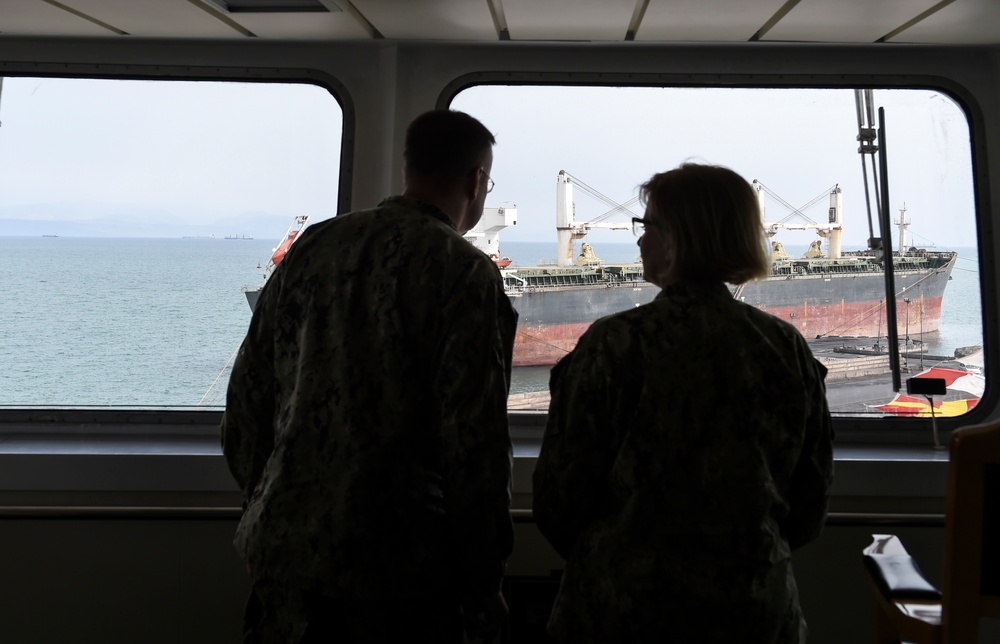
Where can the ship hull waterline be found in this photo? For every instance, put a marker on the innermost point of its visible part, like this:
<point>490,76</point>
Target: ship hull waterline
<point>536,346</point>
<point>551,320</point>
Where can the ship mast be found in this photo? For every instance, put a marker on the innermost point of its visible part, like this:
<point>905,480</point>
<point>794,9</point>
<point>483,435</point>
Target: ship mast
<point>903,223</point>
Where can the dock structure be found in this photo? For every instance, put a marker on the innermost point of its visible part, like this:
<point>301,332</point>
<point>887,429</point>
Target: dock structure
<point>531,401</point>
<point>857,372</point>
<point>848,357</point>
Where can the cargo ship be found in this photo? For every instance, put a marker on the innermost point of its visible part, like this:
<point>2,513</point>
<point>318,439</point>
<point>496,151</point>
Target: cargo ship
<point>824,293</point>
<point>832,293</point>
<point>820,297</point>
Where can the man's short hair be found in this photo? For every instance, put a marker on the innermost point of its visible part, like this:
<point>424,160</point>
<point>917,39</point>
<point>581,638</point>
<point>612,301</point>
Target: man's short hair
<point>444,145</point>
<point>712,219</point>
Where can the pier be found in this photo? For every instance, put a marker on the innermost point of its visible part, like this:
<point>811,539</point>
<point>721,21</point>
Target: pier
<point>858,375</point>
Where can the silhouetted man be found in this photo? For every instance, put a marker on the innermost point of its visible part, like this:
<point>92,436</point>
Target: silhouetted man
<point>366,415</point>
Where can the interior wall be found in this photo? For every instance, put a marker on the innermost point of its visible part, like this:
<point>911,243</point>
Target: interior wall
<point>179,580</point>
<point>101,581</point>
<point>168,580</point>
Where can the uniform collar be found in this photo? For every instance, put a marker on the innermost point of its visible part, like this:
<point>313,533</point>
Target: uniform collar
<point>695,291</point>
<point>399,201</point>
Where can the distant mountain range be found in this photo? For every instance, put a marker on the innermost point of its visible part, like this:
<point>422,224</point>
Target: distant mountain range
<point>256,226</point>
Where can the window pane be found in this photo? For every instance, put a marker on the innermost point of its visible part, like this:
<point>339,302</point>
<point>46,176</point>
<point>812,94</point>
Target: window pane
<point>133,215</point>
<point>585,151</point>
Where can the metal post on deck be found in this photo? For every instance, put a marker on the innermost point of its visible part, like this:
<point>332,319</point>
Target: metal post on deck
<point>891,317</point>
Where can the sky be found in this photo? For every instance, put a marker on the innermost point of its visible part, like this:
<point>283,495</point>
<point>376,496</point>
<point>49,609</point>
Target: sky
<point>148,158</point>
<point>798,143</point>
<point>166,157</point>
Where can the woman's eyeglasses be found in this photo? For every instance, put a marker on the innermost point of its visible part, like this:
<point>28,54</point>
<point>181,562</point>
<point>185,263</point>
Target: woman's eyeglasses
<point>639,225</point>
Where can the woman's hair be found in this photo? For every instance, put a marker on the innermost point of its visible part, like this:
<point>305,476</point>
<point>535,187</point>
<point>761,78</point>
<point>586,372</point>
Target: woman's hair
<point>712,218</point>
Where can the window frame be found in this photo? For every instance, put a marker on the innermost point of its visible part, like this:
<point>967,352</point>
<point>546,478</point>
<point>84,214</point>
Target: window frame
<point>894,430</point>
<point>78,423</point>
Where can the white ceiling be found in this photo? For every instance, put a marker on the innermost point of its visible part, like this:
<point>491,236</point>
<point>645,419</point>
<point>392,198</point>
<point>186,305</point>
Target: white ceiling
<point>702,20</point>
<point>845,21</point>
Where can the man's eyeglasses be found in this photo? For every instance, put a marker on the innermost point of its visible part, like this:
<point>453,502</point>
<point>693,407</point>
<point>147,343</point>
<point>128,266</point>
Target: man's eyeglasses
<point>489,183</point>
<point>639,225</point>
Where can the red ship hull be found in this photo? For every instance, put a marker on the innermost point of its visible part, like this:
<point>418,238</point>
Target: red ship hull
<point>818,303</point>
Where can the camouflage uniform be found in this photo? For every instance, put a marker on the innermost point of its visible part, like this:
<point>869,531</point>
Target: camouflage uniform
<point>688,452</point>
<point>366,415</point>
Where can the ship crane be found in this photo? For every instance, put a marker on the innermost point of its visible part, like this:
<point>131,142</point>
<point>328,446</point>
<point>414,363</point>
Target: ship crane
<point>832,229</point>
<point>568,229</point>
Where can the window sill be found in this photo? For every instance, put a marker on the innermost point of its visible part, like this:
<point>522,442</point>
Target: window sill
<point>162,470</point>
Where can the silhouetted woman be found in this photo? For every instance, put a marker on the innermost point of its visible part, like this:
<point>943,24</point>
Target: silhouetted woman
<point>688,448</point>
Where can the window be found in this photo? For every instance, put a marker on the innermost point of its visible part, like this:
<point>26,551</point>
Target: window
<point>134,215</point>
<point>580,153</point>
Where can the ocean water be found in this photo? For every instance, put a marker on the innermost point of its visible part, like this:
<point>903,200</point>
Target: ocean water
<point>123,322</point>
<point>155,323</point>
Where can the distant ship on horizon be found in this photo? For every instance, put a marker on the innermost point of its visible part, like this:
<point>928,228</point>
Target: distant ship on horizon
<point>239,237</point>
